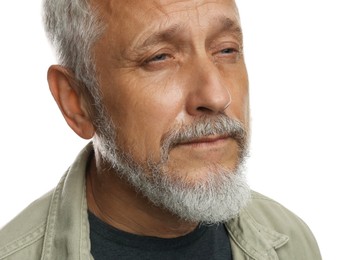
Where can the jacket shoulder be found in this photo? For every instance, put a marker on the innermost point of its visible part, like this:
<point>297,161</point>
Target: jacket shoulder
<point>22,237</point>
<point>271,214</point>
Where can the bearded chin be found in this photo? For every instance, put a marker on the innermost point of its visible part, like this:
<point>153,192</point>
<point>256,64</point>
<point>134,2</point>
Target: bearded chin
<point>216,197</point>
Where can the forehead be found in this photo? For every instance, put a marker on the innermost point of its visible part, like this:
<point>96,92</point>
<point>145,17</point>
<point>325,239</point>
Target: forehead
<point>128,15</point>
<point>132,27</point>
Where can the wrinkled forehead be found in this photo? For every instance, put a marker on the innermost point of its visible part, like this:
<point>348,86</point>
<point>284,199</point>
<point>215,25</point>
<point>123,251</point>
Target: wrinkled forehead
<point>129,22</point>
<point>128,13</point>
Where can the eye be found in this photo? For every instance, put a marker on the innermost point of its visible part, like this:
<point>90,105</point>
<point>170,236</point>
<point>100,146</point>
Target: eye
<point>158,58</point>
<point>159,61</point>
<point>228,51</point>
<point>227,54</point>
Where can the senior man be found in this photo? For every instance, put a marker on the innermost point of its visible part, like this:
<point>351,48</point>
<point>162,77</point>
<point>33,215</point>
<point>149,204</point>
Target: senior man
<point>161,88</point>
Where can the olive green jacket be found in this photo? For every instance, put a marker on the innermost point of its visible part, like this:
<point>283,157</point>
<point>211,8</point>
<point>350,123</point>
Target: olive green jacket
<point>56,227</point>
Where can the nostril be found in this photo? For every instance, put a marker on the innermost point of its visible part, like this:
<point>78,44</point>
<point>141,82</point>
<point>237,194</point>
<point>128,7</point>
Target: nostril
<point>204,109</point>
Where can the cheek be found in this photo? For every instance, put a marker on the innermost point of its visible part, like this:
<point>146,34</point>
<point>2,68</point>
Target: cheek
<point>143,110</point>
<point>240,103</point>
<point>237,82</point>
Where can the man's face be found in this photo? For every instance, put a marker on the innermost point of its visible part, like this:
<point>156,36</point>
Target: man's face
<point>167,63</point>
<point>164,66</point>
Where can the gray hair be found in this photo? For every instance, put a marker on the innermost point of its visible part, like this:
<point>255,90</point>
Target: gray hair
<point>72,27</point>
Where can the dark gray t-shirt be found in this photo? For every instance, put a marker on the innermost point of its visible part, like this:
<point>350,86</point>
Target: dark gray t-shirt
<point>205,242</point>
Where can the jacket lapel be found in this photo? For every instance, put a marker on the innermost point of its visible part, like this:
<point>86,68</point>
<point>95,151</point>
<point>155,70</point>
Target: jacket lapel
<point>67,230</point>
<point>253,240</point>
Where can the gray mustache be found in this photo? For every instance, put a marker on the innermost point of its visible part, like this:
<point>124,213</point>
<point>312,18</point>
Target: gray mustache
<point>204,127</point>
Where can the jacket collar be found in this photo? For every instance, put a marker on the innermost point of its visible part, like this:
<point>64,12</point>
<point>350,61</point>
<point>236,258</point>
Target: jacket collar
<point>67,232</point>
<point>256,240</point>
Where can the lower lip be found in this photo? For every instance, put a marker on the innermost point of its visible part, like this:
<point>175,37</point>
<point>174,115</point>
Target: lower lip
<point>206,143</point>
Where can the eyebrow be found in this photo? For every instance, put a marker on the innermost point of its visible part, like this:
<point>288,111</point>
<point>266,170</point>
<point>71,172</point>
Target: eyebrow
<point>161,36</point>
<point>225,24</point>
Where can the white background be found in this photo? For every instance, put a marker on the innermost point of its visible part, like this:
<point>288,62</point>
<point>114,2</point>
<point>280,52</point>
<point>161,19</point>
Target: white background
<point>301,57</point>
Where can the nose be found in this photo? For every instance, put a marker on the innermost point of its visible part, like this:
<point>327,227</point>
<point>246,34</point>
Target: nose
<point>208,94</point>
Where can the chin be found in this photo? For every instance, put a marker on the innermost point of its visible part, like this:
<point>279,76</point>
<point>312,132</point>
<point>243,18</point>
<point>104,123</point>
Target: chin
<point>214,194</point>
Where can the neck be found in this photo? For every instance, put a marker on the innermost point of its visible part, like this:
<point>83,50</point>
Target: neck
<point>116,202</point>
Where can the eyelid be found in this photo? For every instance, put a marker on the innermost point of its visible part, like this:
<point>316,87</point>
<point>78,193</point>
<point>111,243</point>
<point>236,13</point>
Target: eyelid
<point>154,52</point>
<point>232,56</point>
<point>152,62</point>
<point>219,44</point>
<point>152,58</point>
<point>216,49</point>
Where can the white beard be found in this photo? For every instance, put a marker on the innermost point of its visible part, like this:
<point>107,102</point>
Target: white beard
<point>218,197</point>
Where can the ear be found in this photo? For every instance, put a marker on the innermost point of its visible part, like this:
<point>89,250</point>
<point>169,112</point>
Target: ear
<point>65,91</point>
